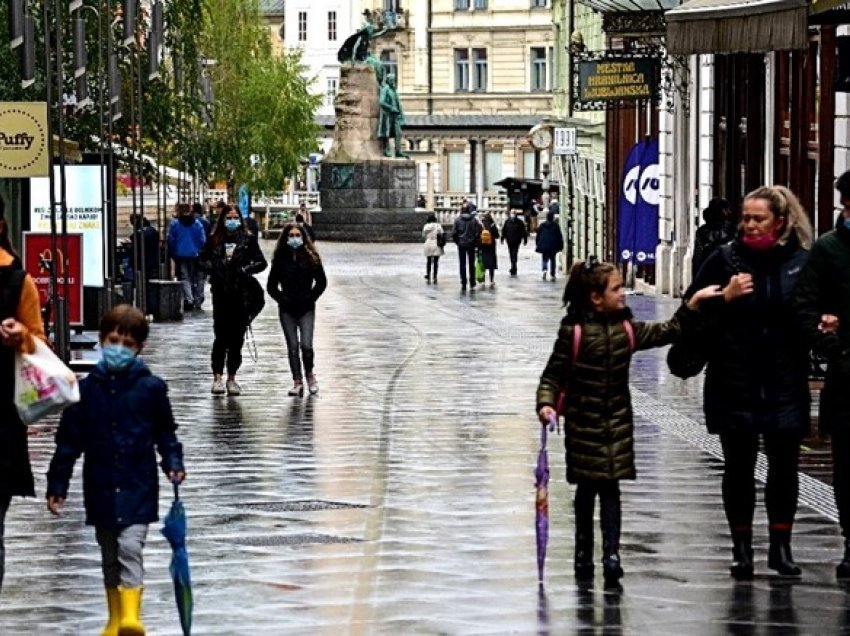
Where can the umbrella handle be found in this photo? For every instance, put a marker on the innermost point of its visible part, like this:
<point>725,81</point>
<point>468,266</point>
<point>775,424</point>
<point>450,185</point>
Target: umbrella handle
<point>175,483</point>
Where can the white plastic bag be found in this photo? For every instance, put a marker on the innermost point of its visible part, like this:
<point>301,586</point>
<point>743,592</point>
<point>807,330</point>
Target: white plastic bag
<point>43,384</point>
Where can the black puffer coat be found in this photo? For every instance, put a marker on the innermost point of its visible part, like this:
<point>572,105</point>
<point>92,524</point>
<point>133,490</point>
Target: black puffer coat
<point>757,373</point>
<point>599,427</point>
<point>824,288</point>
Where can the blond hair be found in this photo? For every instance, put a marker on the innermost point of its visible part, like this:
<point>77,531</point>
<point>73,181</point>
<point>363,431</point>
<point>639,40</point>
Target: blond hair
<point>785,205</point>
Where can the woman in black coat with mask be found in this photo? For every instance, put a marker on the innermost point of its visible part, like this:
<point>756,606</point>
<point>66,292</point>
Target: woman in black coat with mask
<point>296,280</point>
<point>231,257</point>
<point>756,379</point>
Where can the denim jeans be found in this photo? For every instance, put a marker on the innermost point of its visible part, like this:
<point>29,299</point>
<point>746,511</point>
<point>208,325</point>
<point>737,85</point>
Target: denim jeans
<point>299,347</point>
<point>466,256</point>
<point>548,257</point>
<point>192,279</point>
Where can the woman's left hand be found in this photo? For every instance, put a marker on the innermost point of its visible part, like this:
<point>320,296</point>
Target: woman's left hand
<point>712,291</point>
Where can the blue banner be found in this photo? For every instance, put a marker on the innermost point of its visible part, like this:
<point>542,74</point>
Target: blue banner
<point>637,229</point>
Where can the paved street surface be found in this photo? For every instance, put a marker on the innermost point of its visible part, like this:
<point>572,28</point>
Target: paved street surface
<point>399,500</point>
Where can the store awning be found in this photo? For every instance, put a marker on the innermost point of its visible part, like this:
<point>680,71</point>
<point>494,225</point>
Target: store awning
<point>737,26</point>
<point>629,6</point>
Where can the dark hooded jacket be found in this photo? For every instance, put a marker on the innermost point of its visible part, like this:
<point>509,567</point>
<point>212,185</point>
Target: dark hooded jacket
<point>824,288</point>
<point>756,377</point>
<point>599,435</point>
<point>550,240</point>
<point>119,421</point>
<point>295,282</point>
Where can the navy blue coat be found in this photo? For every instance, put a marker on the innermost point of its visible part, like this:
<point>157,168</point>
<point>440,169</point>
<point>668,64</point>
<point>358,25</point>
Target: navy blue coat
<point>549,238</point>
<point>119,419</point>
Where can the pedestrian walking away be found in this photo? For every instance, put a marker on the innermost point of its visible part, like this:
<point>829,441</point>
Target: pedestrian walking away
<point>124,412</point>
<point>296,281</point>
<point>231,257</point>
<point>822,301</point>
<point>435,239</point>
<point>20,325</point>
<point>549,242</point>
<point>488,241</point>
<point>466,233</point>
<point>756,377</point>
<point>599,331</point>
<point>514,233</point>
<point>186,238</point>
<point>306,228</point>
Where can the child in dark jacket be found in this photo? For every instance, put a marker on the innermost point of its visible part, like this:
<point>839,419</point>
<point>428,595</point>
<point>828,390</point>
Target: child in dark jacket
<point>599,431</point>
<point>123,413</point>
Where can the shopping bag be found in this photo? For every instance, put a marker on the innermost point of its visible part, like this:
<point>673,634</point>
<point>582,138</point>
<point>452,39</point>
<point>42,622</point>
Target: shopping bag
<point>479,269</point>
<point>43,384</point>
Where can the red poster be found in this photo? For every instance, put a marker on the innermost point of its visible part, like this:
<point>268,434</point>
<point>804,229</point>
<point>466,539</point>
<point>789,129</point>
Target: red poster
<point>37,254</point>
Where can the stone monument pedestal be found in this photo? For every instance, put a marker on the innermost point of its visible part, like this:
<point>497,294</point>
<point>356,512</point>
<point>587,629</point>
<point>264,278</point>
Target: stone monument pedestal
<point>366,196</point>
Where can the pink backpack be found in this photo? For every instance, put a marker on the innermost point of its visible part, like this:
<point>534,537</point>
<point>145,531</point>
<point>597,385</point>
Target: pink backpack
<point>561,404</point>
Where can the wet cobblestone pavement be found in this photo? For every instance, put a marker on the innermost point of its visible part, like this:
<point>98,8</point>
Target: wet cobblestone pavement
<point>399,500</point>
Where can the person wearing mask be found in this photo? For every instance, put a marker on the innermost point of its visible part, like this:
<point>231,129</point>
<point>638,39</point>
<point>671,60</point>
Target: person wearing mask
<point>20,325</point>
<point>230,257</point>
<point>296,281</point>
<point>756,388</point>
<point>549,243</point>
<point>434,237</point>
<point>487,246</point>
<point>185,239</point>
<point>822,302</point>
<point>514,232</point>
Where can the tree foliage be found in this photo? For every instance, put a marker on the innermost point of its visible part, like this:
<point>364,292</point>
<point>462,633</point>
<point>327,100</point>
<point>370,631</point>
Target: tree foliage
<point>259,126</point>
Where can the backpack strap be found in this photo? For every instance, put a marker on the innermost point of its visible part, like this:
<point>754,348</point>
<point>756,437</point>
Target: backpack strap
<point>629,328</point>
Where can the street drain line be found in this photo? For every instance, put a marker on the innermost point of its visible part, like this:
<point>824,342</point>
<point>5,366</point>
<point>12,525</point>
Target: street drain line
<point>813,493</point>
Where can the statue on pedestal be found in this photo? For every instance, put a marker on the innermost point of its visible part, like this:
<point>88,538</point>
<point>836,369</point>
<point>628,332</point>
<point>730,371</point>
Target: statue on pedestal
<point>356,47</point>
<point>391,118</point>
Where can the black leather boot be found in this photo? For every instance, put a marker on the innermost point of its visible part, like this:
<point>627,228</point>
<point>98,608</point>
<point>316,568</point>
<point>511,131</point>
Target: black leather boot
<point>742,557</point>
<point>779,555</point>
<point>843,569</point>
<point>611,519</point>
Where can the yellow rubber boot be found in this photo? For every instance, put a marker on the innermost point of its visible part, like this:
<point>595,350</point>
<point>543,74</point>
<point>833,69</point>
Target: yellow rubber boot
<point>131,607</point>
<point>113,601</point>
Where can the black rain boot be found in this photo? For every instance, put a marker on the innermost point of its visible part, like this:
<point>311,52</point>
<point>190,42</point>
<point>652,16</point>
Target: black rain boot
<point>742,556</point>
<point>610,519</point>
<point>436,266</point>
<point>843,569</point>
<point>779,555</point>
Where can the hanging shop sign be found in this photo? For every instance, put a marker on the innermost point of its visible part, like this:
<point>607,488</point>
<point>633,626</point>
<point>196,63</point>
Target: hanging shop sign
<point>615,79</point>
<point>23,140</point>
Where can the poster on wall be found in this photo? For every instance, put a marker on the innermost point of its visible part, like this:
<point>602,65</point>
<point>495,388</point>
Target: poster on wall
<point>637,228</point>
<point>83,203</point>
<point>39,258</point>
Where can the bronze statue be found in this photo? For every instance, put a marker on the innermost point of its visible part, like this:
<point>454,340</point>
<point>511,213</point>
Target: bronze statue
<point>356,46</point>
<point>391,117</point>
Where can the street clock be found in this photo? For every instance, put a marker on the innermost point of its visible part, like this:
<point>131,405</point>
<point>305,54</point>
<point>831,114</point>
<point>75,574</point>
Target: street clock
<point>541,137</point>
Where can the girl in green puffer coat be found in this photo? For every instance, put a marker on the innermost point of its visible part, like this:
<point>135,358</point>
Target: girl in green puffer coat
<point>597,408</point>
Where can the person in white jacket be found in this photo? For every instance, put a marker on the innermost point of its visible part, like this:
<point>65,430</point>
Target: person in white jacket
<point>432,232</point>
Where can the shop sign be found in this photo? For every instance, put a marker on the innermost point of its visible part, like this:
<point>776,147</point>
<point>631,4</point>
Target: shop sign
<point>611,79</point>
<point>23,140</point>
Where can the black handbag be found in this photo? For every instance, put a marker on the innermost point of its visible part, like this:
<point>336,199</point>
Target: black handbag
<point>686,359</point>
<point>255,297</point>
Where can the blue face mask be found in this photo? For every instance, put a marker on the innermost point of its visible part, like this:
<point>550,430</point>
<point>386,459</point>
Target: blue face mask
<point>847,222</point>
<point>294,242</point>
<point>117,357</point>
<point>232,224</point>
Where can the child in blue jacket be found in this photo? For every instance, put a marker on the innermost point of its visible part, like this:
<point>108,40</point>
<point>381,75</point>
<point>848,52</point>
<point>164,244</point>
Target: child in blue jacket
<point>123,413</point>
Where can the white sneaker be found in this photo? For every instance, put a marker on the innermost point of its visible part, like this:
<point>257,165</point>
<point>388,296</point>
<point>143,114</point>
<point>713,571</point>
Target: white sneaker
<point>233,388</point>
<point>312,384</point>
<point>218,387</point>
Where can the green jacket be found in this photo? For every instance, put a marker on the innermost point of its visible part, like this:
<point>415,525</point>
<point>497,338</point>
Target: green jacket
<point>599,431</point>
<point>824,288</point>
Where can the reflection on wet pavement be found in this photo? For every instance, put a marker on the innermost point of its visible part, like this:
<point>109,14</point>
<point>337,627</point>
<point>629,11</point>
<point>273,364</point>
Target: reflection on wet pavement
<point>399,500</point>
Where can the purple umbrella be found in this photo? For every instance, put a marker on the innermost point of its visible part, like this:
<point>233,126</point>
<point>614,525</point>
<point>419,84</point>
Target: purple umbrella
<point>541,501</point>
